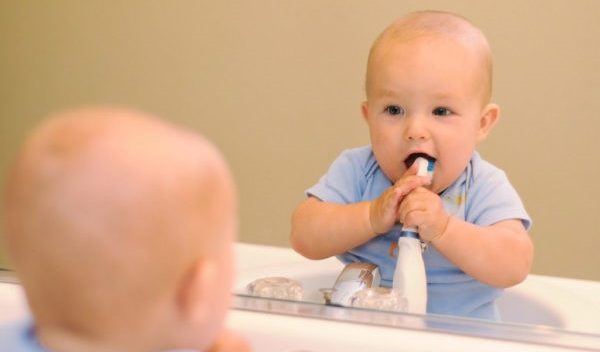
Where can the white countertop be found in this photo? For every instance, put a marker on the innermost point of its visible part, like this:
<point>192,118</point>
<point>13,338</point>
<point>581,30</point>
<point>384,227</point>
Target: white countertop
<point>279,330</point>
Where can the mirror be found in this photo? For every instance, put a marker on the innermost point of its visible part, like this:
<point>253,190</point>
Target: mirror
<point>278,86</point>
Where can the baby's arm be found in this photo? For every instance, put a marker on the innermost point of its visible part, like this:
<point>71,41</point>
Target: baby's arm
<point>499,255</point>
<point>322,229</point>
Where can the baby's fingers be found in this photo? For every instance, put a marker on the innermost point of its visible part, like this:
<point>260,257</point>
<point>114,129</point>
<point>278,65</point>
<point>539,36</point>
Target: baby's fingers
<point>411,211</point>
<point>382,212</point>
<point>407,184</point>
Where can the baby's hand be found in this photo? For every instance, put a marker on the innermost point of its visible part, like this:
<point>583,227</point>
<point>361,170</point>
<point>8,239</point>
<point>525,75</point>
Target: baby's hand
<point>424,210</point>
<point>384,211</point>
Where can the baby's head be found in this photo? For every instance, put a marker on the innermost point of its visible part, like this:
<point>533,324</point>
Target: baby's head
<point>428,86</point>
<point>120,227</point>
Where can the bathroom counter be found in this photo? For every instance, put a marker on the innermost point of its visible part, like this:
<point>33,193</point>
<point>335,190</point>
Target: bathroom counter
<point>288,333</point>
<point>275,332</point>
<point>285,326</point>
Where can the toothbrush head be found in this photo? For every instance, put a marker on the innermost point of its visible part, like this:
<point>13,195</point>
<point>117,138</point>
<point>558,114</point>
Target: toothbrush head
<point>430,167</point>
<point>425,166</point>
<point>426,163</point>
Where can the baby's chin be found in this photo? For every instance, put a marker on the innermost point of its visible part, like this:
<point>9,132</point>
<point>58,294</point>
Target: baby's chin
<point>435,188</point>
<point>438,185</point>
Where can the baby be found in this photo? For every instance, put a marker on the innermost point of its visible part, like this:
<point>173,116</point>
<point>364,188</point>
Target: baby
<point>428,88</point>
<point>120,227</point>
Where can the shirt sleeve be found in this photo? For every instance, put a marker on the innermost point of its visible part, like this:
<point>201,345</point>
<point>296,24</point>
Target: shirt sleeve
<point>492,198</point>
<point>342,183</point>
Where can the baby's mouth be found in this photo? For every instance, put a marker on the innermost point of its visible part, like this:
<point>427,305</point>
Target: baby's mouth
<point>412,157</point>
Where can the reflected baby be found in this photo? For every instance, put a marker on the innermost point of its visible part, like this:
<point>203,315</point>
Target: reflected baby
<point>428,91</point>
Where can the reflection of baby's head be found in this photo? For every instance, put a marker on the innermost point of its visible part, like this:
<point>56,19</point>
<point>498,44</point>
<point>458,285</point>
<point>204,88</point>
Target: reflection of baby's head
<point>120,227</point>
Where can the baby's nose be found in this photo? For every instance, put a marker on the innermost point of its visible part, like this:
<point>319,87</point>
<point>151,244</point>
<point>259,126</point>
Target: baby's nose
<point>415,129</point>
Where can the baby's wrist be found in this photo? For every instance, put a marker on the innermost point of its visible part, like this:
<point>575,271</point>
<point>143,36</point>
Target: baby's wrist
<point>375,224</point>
<point>441,233</point>
<point>369,219</point>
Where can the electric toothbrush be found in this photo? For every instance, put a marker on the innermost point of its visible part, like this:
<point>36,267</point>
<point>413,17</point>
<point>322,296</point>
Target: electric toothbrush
<point>409,275</point>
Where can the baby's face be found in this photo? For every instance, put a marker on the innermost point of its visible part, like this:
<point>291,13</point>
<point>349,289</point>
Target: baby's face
<point>425,96</point>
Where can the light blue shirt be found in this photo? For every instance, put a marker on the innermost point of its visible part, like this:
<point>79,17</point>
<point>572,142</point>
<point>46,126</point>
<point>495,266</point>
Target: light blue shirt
<point>355,176</point>
<point>19,336</point>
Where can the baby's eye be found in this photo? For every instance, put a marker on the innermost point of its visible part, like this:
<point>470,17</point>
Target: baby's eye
<point>441,111</point>
<point>394,110</point>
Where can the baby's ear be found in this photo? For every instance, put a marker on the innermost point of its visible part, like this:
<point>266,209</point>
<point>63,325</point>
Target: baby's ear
<point>489,117</point>
<point>196,292</point>
<point>364,108</point>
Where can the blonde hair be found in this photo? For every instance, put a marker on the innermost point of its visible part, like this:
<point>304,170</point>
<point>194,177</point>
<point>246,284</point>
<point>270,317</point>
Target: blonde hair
<point>427,23</point>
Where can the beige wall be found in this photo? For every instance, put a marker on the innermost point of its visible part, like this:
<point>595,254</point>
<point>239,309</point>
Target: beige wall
<point>278,84</point>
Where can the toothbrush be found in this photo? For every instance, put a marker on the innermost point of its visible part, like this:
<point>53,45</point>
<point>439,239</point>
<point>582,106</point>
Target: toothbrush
<point>409,275</point>
<point>425,169</point>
